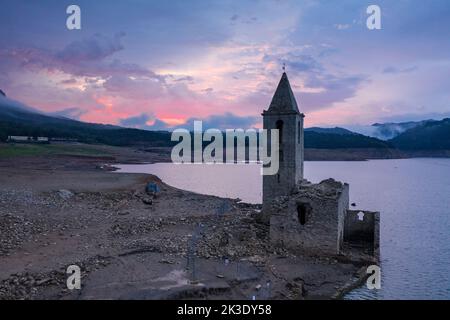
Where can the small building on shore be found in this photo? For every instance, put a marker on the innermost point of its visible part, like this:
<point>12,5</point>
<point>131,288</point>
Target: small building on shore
<point>27,139</point>
<point>64,140</point>
<point>33,139</point>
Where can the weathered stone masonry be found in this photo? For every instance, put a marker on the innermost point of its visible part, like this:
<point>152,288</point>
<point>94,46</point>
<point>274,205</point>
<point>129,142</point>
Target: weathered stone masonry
<point>307,217</point>
<point>311,219</point>
<point>283,115</point>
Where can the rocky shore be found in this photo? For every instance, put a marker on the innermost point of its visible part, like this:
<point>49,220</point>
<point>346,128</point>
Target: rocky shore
<point>132,244</point>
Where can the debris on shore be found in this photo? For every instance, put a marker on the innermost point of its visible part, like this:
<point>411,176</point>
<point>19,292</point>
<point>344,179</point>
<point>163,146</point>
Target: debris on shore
<point>136,238</point>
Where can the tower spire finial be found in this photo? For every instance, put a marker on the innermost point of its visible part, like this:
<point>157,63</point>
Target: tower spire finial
<point>284,67</point>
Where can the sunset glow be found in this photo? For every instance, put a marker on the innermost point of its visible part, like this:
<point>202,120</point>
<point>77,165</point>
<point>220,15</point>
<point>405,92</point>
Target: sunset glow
<point>150,71</point>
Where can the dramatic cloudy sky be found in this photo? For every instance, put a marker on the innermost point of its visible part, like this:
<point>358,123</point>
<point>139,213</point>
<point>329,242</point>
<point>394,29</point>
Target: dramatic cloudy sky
<point>159,64</point>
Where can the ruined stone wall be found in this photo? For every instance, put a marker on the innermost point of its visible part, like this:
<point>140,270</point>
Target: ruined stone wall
<point>321,232</point>
<point>343,205</point>
<point>312,218</point>
<point>363,227</point>
<point>314,236</point>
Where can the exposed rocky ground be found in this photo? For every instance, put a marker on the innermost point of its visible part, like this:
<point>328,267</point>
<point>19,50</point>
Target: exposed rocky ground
<point>130,244</point>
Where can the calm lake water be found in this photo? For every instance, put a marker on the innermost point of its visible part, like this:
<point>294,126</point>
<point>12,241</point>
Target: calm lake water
<point>413,196</point>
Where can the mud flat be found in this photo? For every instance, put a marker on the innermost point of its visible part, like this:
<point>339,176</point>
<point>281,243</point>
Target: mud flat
<point>61,209</point>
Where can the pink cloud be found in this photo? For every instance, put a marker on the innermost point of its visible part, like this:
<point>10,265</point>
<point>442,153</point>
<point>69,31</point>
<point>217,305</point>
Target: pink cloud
<point>84,76</point>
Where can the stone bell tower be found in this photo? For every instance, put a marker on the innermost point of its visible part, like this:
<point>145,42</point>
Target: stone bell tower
<point>283,114</point>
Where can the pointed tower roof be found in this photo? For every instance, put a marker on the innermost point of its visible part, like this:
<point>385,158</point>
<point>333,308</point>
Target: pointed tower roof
<point>283,100</point>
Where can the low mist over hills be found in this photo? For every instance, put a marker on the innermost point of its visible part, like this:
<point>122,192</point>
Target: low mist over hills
<point>430,135</point>
<point>386,131</point>
<point>412,135</point>
<point>19,119</point>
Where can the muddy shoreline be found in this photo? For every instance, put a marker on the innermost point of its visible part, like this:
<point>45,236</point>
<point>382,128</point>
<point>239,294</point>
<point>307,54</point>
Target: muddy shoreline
<point>61,210</point>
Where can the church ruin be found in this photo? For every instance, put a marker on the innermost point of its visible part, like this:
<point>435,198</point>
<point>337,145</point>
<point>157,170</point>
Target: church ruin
<point>303,216</point>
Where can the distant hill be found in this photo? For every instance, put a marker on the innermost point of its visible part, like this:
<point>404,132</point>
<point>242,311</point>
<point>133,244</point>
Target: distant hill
<point>18,119</point>
<point>335,130</point>
<point>319,140</point>
<point>430,135</point>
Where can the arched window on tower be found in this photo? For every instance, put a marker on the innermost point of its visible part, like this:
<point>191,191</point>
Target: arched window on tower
<point>299,133</point>
<point>279,126</point>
